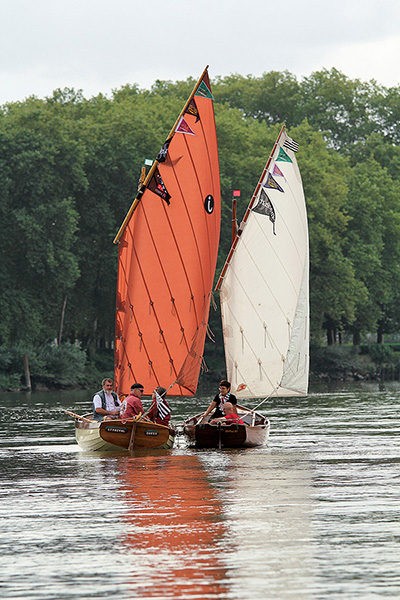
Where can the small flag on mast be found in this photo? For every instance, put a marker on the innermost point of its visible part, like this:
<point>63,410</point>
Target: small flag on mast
<point>283,157</point>
<point>290,144</point>
<point>162,155</point>
<point>276,171</point>
<point>192,109</point>
<point>265,207</point>
<point>157,186</point>
<point>272,184</point>
<point>183,127</point>
<point>163,409</point>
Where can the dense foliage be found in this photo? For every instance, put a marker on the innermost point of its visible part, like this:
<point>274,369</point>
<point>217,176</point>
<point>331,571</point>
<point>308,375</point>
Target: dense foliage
<point>69,168</point>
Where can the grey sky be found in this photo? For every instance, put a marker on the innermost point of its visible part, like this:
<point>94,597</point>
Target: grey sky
<point>99,45</point>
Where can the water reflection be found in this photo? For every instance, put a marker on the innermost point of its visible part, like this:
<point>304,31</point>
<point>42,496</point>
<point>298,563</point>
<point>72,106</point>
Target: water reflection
<point>268,505</point>
<point>174,528</point>
<point>315,515</point>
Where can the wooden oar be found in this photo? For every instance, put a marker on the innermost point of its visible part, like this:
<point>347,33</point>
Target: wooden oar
<point>133,431</point>
<point>75,416</point>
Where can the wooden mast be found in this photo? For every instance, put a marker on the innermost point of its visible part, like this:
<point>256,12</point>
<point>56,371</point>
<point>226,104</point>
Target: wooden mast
<point>248,210</point>
<point>156,162</point>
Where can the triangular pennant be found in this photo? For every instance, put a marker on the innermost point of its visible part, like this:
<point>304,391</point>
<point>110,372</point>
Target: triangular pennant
<point>183,127</point>
<point>191,109</point>
<point>162,155</point>
<point>204,91</point>
<point>291,144</point>
<point>157,186</point>
<point>264,207</point>
<point>272,184</point>
<point>277,172</point>
<point>283,157</point>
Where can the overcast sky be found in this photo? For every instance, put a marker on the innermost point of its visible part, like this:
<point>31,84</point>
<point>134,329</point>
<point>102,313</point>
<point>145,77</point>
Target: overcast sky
<point>100,45</point>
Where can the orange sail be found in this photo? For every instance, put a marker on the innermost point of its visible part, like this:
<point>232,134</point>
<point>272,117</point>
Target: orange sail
<point>168,246</point>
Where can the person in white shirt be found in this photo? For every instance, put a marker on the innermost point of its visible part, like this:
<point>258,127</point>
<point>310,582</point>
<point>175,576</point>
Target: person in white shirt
<point>106,401</point>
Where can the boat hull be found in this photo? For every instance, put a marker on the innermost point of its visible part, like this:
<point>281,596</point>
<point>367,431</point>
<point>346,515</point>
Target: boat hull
<point>115,435</point>
<point>221,435</point>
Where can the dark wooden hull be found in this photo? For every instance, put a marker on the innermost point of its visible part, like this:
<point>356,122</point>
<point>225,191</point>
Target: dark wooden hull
<point>234,435</point>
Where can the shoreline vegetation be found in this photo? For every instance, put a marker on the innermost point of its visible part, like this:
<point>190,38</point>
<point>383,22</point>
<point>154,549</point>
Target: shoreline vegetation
<point>68,367</point>
<point>69,168</point>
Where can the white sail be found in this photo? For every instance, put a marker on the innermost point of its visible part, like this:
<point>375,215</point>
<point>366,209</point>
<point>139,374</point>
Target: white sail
<point>263,287</point>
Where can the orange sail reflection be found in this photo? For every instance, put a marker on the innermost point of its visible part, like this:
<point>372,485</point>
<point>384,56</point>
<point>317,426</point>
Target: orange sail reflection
<point>175,532</point>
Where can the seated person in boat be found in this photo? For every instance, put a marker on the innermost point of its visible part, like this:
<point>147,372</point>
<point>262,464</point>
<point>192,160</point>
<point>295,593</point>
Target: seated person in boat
<point>132,404</point>
<point>106,402</point>
<point>231,415</point>
<point>223,396</point>
<point>159,411</point>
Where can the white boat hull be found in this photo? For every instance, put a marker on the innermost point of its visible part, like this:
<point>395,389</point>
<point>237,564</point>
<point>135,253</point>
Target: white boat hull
<point>90,441</point>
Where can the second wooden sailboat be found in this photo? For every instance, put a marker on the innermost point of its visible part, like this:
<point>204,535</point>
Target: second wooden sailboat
<point>264,302</point>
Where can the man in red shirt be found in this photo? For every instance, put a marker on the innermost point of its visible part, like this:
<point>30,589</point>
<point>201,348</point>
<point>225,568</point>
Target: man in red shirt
<point>231,415</point>
<point>132,405</point>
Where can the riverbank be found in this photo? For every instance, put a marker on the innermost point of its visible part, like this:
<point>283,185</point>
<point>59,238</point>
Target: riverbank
<point>69,367</point>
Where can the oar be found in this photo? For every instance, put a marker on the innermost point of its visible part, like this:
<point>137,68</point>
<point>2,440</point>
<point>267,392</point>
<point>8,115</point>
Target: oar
<point>75,416</point>
<point>133,431</point>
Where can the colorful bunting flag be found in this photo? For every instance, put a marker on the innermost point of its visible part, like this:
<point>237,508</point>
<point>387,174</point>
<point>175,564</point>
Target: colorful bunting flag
<point>272,184</point>
<point>162,406</point>
<point>283,157</point>
<point>276,171</point>
<point>183,127</point>
<point>162,155</point>
<point>192,109</point>
<point>204,91</point>
<point>157,186</point>
<point>291,144</point>
<point>264,207</point>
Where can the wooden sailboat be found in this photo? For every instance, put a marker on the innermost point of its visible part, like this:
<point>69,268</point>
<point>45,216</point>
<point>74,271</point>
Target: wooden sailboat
<point>264,301</point>
<point>168,245</point>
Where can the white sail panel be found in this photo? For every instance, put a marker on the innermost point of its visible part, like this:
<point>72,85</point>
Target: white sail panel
<point>264,291</point>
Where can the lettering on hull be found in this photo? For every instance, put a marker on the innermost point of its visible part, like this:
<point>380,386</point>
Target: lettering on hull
<point>116,429</point>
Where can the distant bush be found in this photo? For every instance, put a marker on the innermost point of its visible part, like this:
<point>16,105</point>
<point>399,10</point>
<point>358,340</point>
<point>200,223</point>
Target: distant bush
<point>380,354</point>
<point>60,365</point>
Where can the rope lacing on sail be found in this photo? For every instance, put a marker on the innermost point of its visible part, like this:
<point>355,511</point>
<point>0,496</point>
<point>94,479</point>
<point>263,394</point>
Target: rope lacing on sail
<point>210,333</point>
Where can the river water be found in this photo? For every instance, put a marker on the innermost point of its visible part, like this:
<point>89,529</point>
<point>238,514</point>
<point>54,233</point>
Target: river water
<point>313,515</point>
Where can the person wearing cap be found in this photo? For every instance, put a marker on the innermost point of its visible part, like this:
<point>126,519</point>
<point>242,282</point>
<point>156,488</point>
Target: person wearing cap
<point>132,404</point>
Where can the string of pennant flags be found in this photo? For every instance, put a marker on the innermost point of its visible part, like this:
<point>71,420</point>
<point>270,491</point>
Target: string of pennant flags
<point>264,205</point>
<point>156,183</point>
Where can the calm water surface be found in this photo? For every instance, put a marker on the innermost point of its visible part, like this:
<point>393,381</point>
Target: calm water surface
<point>316,514</point>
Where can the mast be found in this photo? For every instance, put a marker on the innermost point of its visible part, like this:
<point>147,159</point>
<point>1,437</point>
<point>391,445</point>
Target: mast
<point>156,162</point>
<point>235,195</point>
<point>248,210</point>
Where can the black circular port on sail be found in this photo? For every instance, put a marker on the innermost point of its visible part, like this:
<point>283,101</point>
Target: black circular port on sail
<point>209,204</point>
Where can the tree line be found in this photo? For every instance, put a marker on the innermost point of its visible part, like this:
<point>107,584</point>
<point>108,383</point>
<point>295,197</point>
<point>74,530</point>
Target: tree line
<point>69,168</point>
